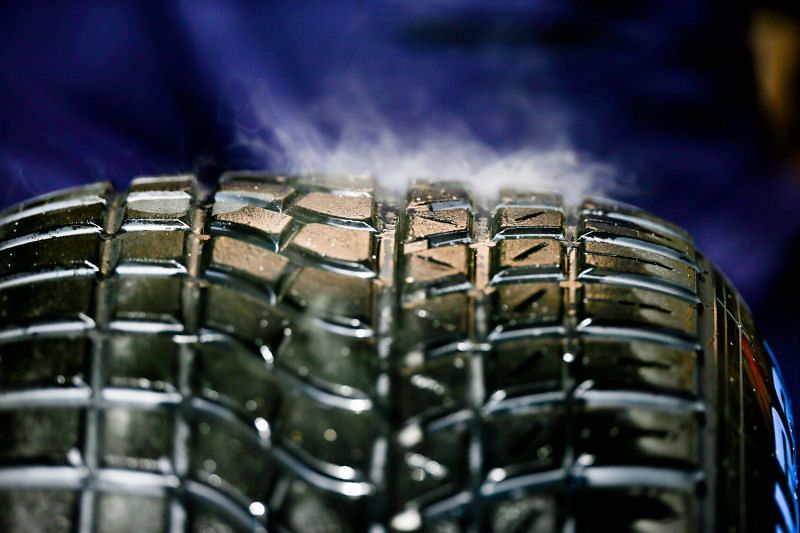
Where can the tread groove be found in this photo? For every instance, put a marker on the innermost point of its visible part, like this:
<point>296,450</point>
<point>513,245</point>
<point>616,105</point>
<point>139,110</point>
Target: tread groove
<point>102,308</point>
<point>190,306</point>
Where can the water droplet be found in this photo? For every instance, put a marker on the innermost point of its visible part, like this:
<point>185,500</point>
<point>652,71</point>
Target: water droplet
<point>266,354</point>
<point>410,435</point>
<point>409,520</point>
<point>257,509</point>
<point>261,425</point>
<point>497,475</point>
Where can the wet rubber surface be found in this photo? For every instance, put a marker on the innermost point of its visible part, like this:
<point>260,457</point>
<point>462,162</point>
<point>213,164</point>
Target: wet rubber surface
<point>305,354</point>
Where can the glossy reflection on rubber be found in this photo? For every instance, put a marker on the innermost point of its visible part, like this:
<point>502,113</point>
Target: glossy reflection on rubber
<point>307,354</point>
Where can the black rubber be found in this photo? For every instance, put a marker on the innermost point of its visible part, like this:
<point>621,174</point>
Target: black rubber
<point>301,354</point>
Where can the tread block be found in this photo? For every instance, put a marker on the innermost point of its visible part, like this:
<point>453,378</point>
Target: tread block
<point>153,245</point>
<point>77,206</point>
<point>436,319</point>
<point>100,188</point>
<point>39,435</point>
<point>234,215</point>
<point>255,320</point>
<point>185,183</point>
<point>540,512</point>
<point>437,226</point>
<point>438,214</point>
<point>160,200</point>
<point>337,244</point>
<point>142,362</point>
<point>436,386</point>
<point>155,298</point>
<point>525,439</point>
<point>274,192</point>
<point>606,303</point>
<point>631,364</point>
<point>37,509</point>
<point>631,225</point>
<point>65,251</point>
<point>236,378</point>
<point>227,457</point>
<point>437,196</point>
<point>539,302</point>
<point>80,210</point>
<point>610,257</point>
<point>336,362</point>
<point>42,362</point>
<point>621,211</point>
<point>525,220</point>
<point>526,254</point>
<point>307,509</point>
<point>162,206</point>
<point>205,520</point>
<point>445,264</point>
<point>638,436</point>
<point>338,183</point>
<point>431,465</point>
<point>523,196</point>
<point>127,512</point>
<point>137,440</point>
<point>330,294</point>
<point>253,261</point>
<point>34,302</point>
<point>525,365</point>
<point>634,509</point>
<point>339,437</point>
<point>346,207</point>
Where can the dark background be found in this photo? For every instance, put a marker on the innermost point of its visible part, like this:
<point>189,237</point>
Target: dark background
<point>667,92</point>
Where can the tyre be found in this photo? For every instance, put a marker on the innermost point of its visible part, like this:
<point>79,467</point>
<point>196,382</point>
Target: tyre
<point>301,354</point>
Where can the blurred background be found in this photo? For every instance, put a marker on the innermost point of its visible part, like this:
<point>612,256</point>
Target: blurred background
<point>692,103</point>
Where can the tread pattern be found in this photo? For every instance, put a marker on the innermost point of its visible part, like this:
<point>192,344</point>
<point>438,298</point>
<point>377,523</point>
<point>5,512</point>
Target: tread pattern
<point>299,354</point>
<point>183,395</point>
<point>548,367</point>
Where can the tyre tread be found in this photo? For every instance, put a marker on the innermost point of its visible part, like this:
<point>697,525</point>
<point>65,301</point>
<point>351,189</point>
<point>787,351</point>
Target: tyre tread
<point>525,366</point>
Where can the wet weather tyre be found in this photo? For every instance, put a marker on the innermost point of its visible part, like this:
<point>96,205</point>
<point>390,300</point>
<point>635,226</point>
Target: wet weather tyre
<point>308,354</point>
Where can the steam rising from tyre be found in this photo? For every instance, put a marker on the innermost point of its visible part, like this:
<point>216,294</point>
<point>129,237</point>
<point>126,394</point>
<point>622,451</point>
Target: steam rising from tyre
<point>348,133</point>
